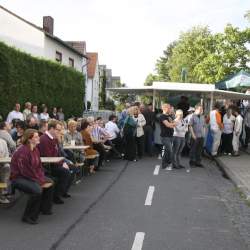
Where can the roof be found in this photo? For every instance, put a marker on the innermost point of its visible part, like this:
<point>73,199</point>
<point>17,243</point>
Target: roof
<point>78,45</point>
<point>46,33</point>
<point>165,88</point>
<point>91,68</point>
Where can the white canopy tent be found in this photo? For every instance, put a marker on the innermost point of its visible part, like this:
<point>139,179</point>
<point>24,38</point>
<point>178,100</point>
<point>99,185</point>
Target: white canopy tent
<point>205,91</point>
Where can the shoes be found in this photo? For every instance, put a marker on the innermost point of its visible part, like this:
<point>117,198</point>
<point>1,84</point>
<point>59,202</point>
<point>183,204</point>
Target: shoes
<point>168,168</point>
<point>177,167</point>
<point>236,155</point>
<point>199,165</point>
<point>181,166</point>
<point>66,195</point>
<point>4,200</point>
<point>188,170</point>
<point>29,221</point>
<point>58,200</point>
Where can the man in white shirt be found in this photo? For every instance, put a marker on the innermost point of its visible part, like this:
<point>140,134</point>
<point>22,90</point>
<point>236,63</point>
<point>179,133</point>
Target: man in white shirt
<point>114,132</point>
<point>15,114</point>
<point>237,131</point>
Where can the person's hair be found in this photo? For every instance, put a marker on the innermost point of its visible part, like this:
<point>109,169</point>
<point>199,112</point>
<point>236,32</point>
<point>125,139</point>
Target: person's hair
<point>179,112</point>
<point>21,124</point>
<point>91,119</point>
<point>28,134</point>
<point>53,124</point>
<point>112,117</point>
<point>198,105</point>
<point>236,109</point>
<point>72,123</point>
<point>84,124</point>
<point>27,104</point>
<point>217,105</point>
<point>99,118</point>
<point>2,125</point>
<point>33,105</point>
<point>42,124</point>
<point>131,110</point>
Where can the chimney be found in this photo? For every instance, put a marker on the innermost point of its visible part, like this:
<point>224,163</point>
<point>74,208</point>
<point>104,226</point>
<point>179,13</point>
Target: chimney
<point>48,24</point>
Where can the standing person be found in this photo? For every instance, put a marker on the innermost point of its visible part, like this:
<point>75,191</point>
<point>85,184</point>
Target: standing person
<point>60,114</point>
<point>15,114</point>
<point>54,114</point>
<point>129,132</point>
<point>34,112</point>
<point>237,131</point>
<point>167,130</point>
<point>179,138</point>
<point>44,115</point>
<point>27,110</point>
<point>197,129</point>
<point>228,128</point>
<point>27,174</point>
<point>216,127</point>
<point>184,105</point>
<point>247,126</point>
<point>124,114</point>
<point>149,128</point>
<point>141,122</point>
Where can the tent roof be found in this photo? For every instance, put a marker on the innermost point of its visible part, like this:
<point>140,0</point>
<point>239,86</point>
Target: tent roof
<point>163,88</point>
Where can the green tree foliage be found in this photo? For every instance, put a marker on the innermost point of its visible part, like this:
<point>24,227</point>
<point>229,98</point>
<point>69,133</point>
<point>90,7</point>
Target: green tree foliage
<point>247,15</point>
<point>203,56</point>
<point>150,79</point>
<point>26,78</point>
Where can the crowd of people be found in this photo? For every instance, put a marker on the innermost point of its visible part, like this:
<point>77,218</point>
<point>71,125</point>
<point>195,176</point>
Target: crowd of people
<point>138,131</point>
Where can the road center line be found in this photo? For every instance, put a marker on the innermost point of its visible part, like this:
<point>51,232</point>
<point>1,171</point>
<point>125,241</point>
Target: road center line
<point>138,242</point>
<point>149,198</point>
<point>157,169</point>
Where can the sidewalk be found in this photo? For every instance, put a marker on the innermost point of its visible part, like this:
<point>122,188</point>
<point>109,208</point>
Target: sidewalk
<point>238,170</point>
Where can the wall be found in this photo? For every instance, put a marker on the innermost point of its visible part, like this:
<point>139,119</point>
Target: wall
<point>20,34</point>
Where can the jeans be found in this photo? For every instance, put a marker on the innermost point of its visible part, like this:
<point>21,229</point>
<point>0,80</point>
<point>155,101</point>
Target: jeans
<point>168,151</point>
<point>39,199</point>
<point>236,143</point>
<point>227,146</point>
<point>148,132</point>
<point>216,134</point>
<point>247,130</point>
<point>178,145</point>
<point>196,149</point>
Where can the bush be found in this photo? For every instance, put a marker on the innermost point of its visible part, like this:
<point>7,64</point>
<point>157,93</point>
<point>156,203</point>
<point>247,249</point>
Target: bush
<point>27,78</point>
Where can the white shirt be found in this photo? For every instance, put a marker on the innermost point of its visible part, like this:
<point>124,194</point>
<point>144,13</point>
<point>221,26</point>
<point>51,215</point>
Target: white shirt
<point>44,116</point>
<point>238,125</point>
<point>3,148</point>
<point>112,129</point>
<point>228,124</point>
<point>14,115</point>
<point>181,128</point>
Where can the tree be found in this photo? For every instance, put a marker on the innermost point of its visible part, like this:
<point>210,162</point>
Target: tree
<point>150,79</point>
<point>247,15</point>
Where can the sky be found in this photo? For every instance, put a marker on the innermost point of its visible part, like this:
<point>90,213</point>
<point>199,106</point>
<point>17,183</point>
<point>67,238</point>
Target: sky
<point>130,35</point>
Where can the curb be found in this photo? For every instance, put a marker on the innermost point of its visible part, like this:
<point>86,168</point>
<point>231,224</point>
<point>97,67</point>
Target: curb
<point>234,178</point>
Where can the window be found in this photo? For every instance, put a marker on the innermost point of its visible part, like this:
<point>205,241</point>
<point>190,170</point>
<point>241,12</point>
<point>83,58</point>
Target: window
<point>58,56</point>
<point>71,62</point>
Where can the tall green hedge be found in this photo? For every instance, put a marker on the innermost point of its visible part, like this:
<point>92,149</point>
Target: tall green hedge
<point>26,78</point>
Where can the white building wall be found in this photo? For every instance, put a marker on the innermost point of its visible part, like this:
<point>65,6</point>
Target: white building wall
<point>21,35</point>
<point>50,48</point>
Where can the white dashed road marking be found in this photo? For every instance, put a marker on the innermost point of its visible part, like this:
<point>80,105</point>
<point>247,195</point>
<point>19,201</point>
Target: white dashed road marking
<point>149,198</point>
<point>138,242</point>
<point>157,169</point>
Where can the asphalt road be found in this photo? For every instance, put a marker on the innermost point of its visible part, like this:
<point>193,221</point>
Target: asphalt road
<point>108,212</point>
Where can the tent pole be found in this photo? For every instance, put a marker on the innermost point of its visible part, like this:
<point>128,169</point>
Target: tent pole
<point>153,100</point>
<point>212,101</point>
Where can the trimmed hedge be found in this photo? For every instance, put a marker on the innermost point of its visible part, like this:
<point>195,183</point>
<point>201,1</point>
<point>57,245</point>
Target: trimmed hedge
<point>26,78</point>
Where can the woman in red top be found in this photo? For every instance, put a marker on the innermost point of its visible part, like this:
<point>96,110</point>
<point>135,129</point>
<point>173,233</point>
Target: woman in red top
<point>27,175</point>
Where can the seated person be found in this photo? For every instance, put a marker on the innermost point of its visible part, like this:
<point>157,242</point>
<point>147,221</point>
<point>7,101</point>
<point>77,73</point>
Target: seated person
<point>4,171</point>
<point>5,135</point>
<point>27,175</point>
<point>17,135</point>
<point>86,135</point>
<point>32,122</point>
<point>72,135</point>
<point>43,127</point>
<point>49,147</point>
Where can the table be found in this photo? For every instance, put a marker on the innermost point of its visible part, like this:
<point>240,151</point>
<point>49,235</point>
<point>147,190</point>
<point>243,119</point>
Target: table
<point>5,160</point>
<point>51,159</point>
<point>43,159</point>
<point>76,147</point>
